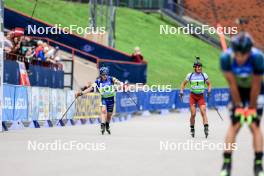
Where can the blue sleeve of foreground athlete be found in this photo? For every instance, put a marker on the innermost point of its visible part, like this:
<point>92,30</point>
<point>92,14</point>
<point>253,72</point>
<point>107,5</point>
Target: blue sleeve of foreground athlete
<point>225,62</point>
<point>258,63</point>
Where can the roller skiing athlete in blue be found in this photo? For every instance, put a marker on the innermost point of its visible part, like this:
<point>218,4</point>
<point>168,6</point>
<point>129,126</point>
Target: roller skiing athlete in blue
<point>105,85</point>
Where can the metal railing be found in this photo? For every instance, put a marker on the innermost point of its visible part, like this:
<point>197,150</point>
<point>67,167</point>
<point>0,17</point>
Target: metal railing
<point>142,4</point>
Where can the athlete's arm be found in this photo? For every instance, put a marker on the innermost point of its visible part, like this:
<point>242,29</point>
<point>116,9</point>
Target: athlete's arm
<point>233,88</point>
<point>258,64</point>
<point>225,62</point>
<point>255,90</point>
<point>120,84</point>
<point>183,85</point>
<point>87,90</point>
<point>209,85</point>
<point>207,81</point>
<point>89,84</point>
<point>116,81</point>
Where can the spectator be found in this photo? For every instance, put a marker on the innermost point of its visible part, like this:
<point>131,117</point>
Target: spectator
<point>30,51</point>
<point>136,56</point>
<point>16,43</point>
<point>25,45</point>
<point>49,54</point>
<point>30,54</point>
<point>8,44</point>
<point>39,51</point>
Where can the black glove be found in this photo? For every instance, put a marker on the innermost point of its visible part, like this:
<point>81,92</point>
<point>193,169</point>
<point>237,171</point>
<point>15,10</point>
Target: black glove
<point>181,94</point>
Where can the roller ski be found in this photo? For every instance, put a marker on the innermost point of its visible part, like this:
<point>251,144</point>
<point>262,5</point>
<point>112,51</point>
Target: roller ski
<point>103,128</point>
<point>226,170</point>
<point>258,169</point>
<point>206,131</point>
<point>192,131</point>
<point>107,127</point>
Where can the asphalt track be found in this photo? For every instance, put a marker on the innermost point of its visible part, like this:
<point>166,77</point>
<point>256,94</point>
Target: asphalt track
<point>133,149</point>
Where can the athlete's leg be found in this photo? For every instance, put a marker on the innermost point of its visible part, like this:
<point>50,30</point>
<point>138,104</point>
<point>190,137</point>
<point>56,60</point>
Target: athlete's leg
<point>103,118</point>
<point>109,116</point>
<point>202,108</point>
<point>103,114</point>
<point>203,114</point>
<point>229,142</point>
<point>231,135</point>
<point>257,137</point>
<point>110,108</point>
<point>192,119</point>
<point>258,146</point>
<point>193,114</point>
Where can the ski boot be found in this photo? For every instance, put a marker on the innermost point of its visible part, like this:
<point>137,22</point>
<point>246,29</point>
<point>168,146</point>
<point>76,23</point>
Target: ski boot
<point>103,128</point>
<point>258,169</point>
<point>107,127</point>
<point>226,170</point>
<point>206,131</point>
<point>192,131</point>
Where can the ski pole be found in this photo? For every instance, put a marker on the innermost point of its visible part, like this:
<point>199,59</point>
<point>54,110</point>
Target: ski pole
<point>133,100</point>
<point>218,113</point>
<point>216,109</point>
<point>67,110</point>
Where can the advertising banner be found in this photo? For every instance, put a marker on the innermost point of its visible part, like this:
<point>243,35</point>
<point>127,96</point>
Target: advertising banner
<point>127,102</point>
<point>29,93</point>
<point>53,105</point>
<point>159,100</point>
<point>43,104</point>
<point>88,106</point>
<point>8,102</point>
<point>70,98</point>
<point>35,103</point>
<point>21,103</point>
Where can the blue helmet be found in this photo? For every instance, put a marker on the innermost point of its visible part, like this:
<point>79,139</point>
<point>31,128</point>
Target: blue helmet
<point>104,71</point>
<point>242,43</point>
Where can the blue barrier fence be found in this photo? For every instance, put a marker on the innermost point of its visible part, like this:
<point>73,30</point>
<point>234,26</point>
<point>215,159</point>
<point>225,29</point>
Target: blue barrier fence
<point>134,73</point>
<point>152,101</point>
<point>35,103</point>
<point>41,76</point>
<point>38,103</point>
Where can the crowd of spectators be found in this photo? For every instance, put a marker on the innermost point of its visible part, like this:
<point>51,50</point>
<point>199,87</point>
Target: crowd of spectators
<point>20,47</point>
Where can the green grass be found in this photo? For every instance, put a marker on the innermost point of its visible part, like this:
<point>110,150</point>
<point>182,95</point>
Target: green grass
<point>170,57</point>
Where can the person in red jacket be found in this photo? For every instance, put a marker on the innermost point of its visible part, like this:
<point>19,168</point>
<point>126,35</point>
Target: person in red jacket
<point>136,56</point>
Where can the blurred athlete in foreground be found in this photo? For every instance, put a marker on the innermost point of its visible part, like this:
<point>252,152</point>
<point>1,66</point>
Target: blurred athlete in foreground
<point>105,85</point>
<point>243,67</point>
<point>198,81</point>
